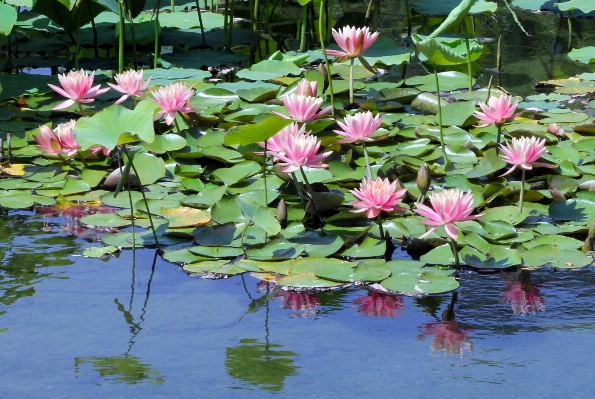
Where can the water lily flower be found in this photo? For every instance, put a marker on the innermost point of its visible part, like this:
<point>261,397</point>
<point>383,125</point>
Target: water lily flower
<point>353,42</point>
<point>449,206</point>
<point>378,304</point>
<point>61,141</point>
<point>524,153</point>
<point>307,88</point>
<point>129,83</point>
<point>286,134</point>
<point>375,196</point>
<point>97,149</point>
<point>78,87</point>
<point>498,110</point>
<point>303,108</point>
<point>299,150</point>
<point>359,127</point>
<point>172,99</point>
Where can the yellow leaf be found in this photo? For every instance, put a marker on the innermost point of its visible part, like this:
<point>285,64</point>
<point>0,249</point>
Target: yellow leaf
<point>13,169</point>
<point>185,217</point>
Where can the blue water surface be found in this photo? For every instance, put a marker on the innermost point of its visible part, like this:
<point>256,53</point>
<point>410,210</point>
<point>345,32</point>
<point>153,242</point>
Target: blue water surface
<point>75,327</point>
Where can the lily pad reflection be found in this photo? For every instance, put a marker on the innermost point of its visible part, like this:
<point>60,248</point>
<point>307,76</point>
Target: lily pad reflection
<point>121,369</point>
<point>263,365</point>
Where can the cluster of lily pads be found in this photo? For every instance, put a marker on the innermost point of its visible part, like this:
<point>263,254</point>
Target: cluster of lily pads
<point>256,176</point>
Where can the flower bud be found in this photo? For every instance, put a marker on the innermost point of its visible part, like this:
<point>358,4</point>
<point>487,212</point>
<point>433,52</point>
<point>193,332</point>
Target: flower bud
<point>424,179</point>
<point>557,195</point>
<point>592,230</point>
<point>399,184</point>
<point>322,69</point>
<point>587,245</point>
<point>556,129</point>
<point>282,213</point>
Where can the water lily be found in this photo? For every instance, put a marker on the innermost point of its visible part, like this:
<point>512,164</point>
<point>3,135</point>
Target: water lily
<point>78,87</point>
<point>273,144</point>
<point>357,129</point>
<point>303,108</point>
<point>375,196</point>
<point>129,83</point>
<point>307,88</point>
<point>353,42</point>
<point>59,142</point>
<point>172,99</point>
<point>498,110</point>
<point>448,207</point>
<point>524,152</point>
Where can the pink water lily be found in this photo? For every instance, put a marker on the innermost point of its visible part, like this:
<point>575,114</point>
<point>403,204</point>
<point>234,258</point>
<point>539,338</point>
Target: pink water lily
<point>303,108</point>
<point>353,42</point>
<point>78,87</point>
<point>498,110</point>
<point>58,142</point>
<point>375,196</point>
<point>129,83</point>
<point>449,206</point>
<point>274,144</point>
<point>359,127</point>
<point>299,150</point>
<point>307,88</point>
<point>172,99</point>
<point>524,153</point>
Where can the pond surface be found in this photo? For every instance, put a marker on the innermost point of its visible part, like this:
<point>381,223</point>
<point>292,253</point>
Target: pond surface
<point>88,328</point>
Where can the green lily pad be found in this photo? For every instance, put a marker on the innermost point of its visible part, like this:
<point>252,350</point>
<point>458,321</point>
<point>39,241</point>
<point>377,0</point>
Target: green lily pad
<point>99,252</point>
<point>215,267</point>
<point>105,220</point>
<point>305,280</point>
<point>544,254</point>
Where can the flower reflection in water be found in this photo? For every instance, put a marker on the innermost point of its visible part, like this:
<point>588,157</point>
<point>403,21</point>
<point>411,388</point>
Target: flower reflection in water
<point>449,337</point>
<point>523,297</point>
<point>70,214</point>
<point>378,304</point>
<point>301,304</point>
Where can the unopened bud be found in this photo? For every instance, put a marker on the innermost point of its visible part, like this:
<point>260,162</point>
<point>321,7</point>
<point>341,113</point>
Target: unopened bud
<point>282,213</point>
<point>399,184</point>
<point>424,179</point>
<point>557,195</point>
<point>416,132</point>
<point>556,129</point>
<point>587,245</point>
<point>592,230</point>
<point>322,69</point>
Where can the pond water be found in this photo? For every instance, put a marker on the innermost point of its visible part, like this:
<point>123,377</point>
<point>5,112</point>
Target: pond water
<point>88,328</point>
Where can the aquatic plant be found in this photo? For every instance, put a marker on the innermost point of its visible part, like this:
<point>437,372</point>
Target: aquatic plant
<point>78,87</point>
<point>130,83</point>
<point>498,111</point>
<point>173,99</point>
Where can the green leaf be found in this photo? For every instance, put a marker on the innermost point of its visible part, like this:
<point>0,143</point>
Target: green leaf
<point>216,267</point>
<point>370,247</point>
<point>269,69</point>
<point>489,164</point>
<point>305,280</point>
<point>105,220</point>
<point>256,133</point>
<point>585,6</point>
<point>8,17</point>
<point>578,210</point>
<point>237,173</point>
<point>116,125</point>
<point>498,257</point>
<point>165,143</point>
<point>551,254</point>
<point>99,252</point>
<point>274,250</point>
<point>259,215</point>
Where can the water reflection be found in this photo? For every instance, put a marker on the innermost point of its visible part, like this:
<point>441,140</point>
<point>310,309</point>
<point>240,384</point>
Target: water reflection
<point>261,364</point>
<point>125,367</point>
<point>70,215</point>
<point>448,336</point>
<point>378,304</point>
<point>121,369</point>
<point>523,297</point>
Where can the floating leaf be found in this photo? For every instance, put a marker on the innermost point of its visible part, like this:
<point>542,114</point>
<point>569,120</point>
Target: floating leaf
<point>185,217</point>
<point>105,220</point>
<point>305,280</point>
<point>99,252</point>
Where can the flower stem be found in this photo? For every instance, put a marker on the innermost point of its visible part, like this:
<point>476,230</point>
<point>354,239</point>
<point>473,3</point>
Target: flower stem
<point>468,57</point>
<point>311,191</point>
<point>440,117</point>
<point>177,126</point>
<point>142,191</point>
<point>380,229</point>
<point>367,160</point>
<point>298,188</point>
<point>67,161</point>
<point>82,160</point>
<point>264,175</point>
<point>499,126</point>
<point>455,252</point>
<point>522,191</point>
<point>326,64</point>
<point>351,67</point>
<point>81,109</point>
